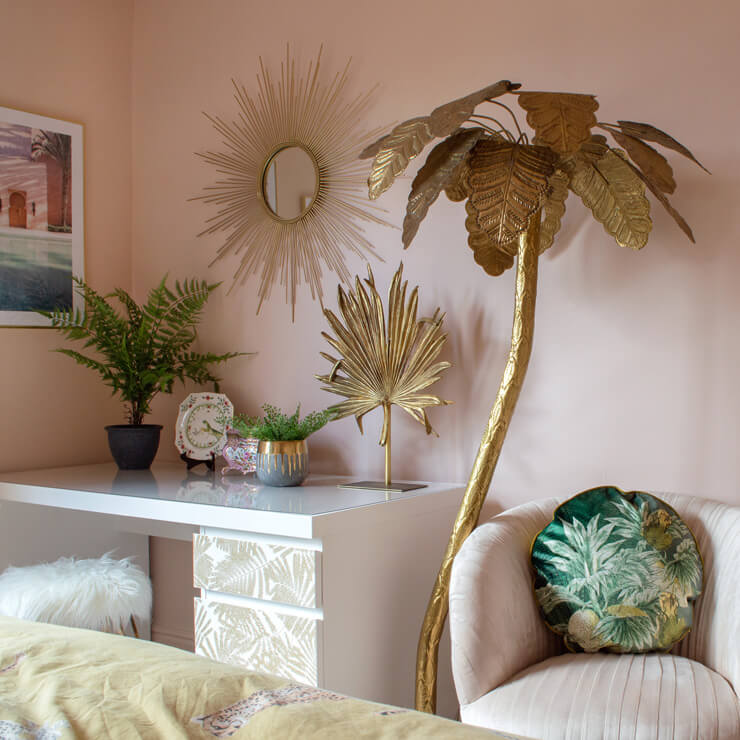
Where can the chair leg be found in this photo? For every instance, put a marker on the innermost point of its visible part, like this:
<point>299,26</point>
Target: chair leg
<point>134,627</point>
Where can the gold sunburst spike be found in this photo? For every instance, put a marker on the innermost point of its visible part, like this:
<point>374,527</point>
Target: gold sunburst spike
<point>313,112</point>
<point>383,363</point>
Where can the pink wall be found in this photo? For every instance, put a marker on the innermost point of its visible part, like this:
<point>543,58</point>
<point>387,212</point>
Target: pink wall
<point>77,70</point>
<point>633,375</point>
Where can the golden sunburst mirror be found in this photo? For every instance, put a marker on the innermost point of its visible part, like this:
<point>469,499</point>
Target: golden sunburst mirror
<point>290,199</point>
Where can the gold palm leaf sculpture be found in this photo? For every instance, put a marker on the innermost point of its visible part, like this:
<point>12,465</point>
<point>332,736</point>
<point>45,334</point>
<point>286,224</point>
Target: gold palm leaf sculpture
<point>515,192</point>
<point>384,363</point>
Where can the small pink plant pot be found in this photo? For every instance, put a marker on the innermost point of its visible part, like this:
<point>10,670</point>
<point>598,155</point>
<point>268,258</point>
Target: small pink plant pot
<point>239,453</point>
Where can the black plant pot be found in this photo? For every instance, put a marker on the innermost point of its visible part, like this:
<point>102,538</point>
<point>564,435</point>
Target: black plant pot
<point>133,446</point>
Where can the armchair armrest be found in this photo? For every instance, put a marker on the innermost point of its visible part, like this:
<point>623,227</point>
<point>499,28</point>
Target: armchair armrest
<point>715,637</point>
<point>495,625</point>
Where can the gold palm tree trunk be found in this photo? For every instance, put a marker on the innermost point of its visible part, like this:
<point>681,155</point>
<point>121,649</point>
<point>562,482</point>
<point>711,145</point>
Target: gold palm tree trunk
<point>485,463</point>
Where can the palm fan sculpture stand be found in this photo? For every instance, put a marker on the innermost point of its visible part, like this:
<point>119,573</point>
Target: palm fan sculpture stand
<point>383,363</point>
<point>515,193</point>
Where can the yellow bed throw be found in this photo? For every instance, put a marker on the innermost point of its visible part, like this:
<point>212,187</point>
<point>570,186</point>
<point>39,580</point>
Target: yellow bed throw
<point>57,682</point>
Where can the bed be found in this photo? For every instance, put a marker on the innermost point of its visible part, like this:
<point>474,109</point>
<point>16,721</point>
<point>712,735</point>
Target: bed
<point>59,682</point>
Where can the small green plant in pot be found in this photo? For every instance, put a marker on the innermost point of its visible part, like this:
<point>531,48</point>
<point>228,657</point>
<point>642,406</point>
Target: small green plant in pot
<point>282,455</point>
<point>140,351</point>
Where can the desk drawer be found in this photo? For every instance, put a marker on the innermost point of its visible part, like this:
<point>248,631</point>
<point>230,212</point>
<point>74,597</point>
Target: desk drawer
<point>265,641</point>
<point>260,570</point>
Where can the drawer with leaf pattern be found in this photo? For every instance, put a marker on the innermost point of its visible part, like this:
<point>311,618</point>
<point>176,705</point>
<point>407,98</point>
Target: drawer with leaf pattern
<point>261,640</point>
<point>260,570</point>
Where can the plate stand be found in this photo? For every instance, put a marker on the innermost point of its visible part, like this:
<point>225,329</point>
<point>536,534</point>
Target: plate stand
<point>210,463</point>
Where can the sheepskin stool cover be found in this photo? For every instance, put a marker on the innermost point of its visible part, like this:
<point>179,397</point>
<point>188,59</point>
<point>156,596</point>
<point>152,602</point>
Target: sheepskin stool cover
<point>97,593</point>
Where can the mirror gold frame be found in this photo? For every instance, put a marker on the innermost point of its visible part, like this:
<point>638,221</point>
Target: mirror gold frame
<point>263,177</point>
<point>317,116</point>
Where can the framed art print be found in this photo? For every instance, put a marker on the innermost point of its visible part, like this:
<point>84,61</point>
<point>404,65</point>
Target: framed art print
<point>41,216</point>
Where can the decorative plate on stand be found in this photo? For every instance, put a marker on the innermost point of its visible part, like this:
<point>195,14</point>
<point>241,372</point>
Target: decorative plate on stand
<point>200,432</point>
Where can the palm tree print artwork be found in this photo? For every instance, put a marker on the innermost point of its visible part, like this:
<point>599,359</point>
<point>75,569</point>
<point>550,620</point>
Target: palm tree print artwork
<point>618,572</point>
<point>41,216</point>
<point>515,186</point>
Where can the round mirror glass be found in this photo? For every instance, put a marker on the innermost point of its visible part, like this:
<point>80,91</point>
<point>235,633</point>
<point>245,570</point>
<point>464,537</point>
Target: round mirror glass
<point>290,183</point>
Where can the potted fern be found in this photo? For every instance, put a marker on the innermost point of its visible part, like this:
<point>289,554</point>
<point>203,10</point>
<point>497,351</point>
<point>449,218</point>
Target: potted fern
<point>282,454</point>
<point>140,351</point>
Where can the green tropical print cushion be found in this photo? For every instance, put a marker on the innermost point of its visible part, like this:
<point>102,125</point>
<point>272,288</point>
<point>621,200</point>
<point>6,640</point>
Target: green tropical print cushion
<point>617,571</point>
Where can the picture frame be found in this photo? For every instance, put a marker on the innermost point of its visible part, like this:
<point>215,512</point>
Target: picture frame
<point>42,239</point>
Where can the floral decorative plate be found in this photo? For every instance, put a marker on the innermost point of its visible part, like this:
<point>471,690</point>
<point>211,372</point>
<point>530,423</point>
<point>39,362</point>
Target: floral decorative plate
<point>201,426</point>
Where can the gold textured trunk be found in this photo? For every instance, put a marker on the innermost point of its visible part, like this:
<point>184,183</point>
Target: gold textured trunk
<point>485,462</point>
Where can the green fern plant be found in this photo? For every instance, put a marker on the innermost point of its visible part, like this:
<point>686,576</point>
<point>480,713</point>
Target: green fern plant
<point>142,349</point>
<point>276,426</point>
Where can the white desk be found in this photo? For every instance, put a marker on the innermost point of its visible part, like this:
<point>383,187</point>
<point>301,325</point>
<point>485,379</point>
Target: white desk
<point>320,584</point>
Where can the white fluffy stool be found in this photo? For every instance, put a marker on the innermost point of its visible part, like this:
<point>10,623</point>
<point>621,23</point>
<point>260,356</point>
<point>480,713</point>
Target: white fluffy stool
<point>98,593</point>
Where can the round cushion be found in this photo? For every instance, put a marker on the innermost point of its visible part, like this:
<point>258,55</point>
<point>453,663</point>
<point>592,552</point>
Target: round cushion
<point>617,571</point>
<point>95,593</point>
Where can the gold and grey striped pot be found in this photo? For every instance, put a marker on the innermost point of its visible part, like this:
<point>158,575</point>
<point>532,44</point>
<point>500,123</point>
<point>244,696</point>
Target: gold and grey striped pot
<point>282,463</point>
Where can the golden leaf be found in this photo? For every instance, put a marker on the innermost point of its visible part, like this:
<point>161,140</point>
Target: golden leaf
<point>594,149</point>
<point>493,259</point>
<point>396,151</point>
<point>663,200</point>
<point>441,164</point>
<point>653,165</point>
<point>457,187</point>
<point>553,209</point>
<point>646,132</point>
<point>616,196</point>
<point>562,121</point>
<point>446,118</point>
<point>508,183</point>
<point>383,364</point>
<point>590,153</point>
<point>371,150</point>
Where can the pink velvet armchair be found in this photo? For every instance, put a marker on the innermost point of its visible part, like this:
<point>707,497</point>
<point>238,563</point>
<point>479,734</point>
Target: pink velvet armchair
<point>511,673</point>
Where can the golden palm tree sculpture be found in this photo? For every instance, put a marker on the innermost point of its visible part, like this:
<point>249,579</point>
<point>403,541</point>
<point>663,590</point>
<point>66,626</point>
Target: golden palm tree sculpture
<point>384,364</point>
<point>515,191</point>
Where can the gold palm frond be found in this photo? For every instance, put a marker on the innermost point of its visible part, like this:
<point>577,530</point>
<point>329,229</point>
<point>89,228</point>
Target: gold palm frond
<point>509,183</point>
<point>506,180</point>
<point>562,121</point>
<point>553,208</point>
<point>442,161</point>
<point>392,153</point>
<point>616,197</point>
<point>495,259</point>
<point>383,363</point>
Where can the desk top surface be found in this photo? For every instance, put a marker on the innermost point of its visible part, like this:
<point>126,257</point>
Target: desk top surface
<point>169,492</point>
